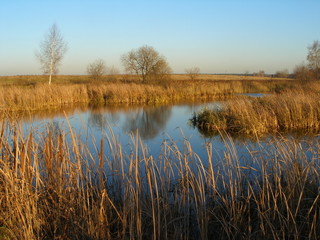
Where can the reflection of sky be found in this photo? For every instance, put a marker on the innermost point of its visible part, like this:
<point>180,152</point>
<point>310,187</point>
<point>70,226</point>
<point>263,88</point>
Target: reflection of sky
<point>168,123</point>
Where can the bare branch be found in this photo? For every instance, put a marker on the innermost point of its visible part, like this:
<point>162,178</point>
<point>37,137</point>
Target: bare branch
<point>314,58</point>
<point>146,63</point>
<point>97,69</point>
<point>193,72</point>
<point>52,50</point>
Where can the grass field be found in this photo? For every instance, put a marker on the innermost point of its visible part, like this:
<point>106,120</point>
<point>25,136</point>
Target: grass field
<point>30,93</point>
<point>76,79</point>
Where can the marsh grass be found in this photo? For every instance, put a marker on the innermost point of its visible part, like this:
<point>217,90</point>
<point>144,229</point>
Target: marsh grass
<point>291,110</point>
<point>54,187</point>
<point>26,80</point>
<point>31,93</point>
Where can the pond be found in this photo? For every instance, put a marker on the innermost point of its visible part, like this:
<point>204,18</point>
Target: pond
<point>244,183</point>
<point>156,125</point>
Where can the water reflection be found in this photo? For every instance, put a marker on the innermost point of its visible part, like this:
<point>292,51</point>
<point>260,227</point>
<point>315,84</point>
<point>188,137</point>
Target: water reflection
<point>46,114</point>
<point>150,121</point>
<point>155,124</point>
<point>98,120</point>
<point>254,95</point>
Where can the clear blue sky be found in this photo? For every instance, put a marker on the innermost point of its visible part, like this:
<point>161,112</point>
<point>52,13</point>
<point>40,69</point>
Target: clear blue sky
<point>217,36</point>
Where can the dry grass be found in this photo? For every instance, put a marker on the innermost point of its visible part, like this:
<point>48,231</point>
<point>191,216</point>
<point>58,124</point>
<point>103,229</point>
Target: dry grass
<point>76,79</point>
<point>296,110</point>
<point>53,187</point>
<point>222,77</point>
<point>33,93</point>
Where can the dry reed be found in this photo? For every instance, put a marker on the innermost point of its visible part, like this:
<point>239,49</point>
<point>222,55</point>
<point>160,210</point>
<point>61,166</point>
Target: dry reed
<point>295,110</point>
<point>38,96</point>
<point>54,187</point>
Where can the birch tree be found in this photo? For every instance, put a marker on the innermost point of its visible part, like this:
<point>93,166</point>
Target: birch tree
<point>52,50</point>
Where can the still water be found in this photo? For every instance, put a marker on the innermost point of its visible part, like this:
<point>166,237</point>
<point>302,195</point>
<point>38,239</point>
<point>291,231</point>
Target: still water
<point>156,125</point>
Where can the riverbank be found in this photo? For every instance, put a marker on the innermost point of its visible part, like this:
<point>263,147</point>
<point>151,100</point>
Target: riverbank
<point>78,79</point>
<point>31,95</point>
<point>53,187</point>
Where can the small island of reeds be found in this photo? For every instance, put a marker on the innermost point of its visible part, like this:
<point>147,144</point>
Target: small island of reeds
<point>290,110</point>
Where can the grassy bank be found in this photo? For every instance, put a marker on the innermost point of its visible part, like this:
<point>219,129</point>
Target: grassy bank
<point>295,110</point>
<point>78,89</point>
<point>53,187</point>
<point>77,79</point>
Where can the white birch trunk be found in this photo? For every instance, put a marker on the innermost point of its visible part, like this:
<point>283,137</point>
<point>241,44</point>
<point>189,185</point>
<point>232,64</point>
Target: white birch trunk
<point>52,59</point>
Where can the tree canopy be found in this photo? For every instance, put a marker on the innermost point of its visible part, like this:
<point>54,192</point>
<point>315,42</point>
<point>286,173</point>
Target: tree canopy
<point>146,62</point>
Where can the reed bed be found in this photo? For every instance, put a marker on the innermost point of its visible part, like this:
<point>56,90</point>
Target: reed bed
<point>296,110</point>
<point>54,187</point>
<point>77,79</point>
<point>40,96</point>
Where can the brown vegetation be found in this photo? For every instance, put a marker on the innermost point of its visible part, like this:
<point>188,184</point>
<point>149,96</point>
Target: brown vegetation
<point>55,188</point>
<point>295,110</point>
<point>75,79</point>
<point>32,93</point>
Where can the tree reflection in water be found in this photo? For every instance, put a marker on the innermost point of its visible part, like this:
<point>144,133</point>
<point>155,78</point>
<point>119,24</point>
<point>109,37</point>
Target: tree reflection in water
<point>148,120</point>
<point>100,118</point>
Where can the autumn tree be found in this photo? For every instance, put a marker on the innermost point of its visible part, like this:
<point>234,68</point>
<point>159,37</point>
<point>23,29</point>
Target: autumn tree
<point>193,72</point>
<point>147,63</point>
<point>314,58</point>
<point>52,50</point>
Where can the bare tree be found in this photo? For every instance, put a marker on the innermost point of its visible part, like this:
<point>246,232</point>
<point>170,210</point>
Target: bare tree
<point>282,73</point>
<point>302,72</point>
<point>112,73</point>
<point>314,58</point>
<point>97,69</point>
<point>146,63</point>
<point>193,72</point>
<point>52,50</point>
<point>261,73</point>
<point>246,73</point>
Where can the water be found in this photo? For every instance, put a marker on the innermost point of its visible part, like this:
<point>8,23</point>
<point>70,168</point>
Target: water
<point>253,94</point>
<point>156,125</point>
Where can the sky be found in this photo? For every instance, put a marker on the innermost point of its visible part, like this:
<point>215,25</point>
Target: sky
<point>218,36</point>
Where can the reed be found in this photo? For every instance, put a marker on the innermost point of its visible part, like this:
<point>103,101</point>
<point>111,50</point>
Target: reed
<point>39,96</point>
<point>28,80</point>
<point>54,187</point>
<point>295,110</point>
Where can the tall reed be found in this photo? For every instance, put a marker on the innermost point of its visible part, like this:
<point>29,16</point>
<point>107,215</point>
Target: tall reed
<point>42,96</point>
<point>54,187</point>
<point>296,110</point>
